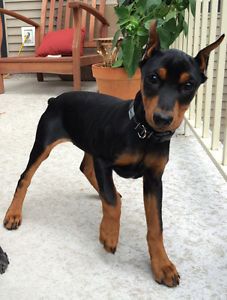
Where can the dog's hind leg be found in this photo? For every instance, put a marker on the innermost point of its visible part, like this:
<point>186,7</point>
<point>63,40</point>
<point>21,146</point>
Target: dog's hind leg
<point>49,134</point>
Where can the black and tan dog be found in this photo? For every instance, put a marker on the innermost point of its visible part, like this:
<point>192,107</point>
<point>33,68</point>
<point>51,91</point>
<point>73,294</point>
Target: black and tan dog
<point>129,137</point>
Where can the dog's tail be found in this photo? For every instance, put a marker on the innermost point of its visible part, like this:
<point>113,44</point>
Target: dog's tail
<point>51,100</point>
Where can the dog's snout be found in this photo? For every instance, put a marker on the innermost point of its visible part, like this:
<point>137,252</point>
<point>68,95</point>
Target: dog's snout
<point>162,119</point>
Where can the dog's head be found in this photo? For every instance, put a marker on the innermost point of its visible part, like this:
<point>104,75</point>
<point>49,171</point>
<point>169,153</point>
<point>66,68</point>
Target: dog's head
<point>170,79</point>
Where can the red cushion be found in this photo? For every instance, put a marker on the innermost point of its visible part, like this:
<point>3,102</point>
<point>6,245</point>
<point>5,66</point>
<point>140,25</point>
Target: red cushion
<point>59,42</point>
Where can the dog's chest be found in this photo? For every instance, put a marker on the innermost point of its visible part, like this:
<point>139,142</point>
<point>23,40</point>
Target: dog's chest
<point>133,165</point>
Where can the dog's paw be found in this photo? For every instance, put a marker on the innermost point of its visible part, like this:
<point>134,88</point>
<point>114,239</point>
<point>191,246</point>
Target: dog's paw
<point>12,219</point>
<point>109,232</point>
<point>165,274</point>
<point>4,261</point>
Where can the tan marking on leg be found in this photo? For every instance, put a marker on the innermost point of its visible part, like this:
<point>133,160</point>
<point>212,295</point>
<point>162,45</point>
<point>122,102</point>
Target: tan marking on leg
<point>87,167</point>
<point>13,217</point>
<point>156,162</point>
<point>163,269</point>
<point>110,225</point>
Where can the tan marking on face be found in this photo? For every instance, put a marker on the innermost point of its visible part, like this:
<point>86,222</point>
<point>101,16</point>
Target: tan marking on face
<point>184,77</point>
<point>156,163</point>
<point>150,105</point>
<point>178,115</point>
<point>162,72</point>
<point>128,159</point>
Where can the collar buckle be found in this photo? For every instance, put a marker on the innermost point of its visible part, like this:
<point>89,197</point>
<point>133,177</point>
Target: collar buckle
<point>141,131</point>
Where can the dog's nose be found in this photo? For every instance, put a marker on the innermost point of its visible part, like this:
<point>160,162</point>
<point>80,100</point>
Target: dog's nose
<point>161,119</point>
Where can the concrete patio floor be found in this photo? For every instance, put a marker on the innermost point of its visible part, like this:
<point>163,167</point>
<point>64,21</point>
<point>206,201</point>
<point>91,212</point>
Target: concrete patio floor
<point>56,254</point>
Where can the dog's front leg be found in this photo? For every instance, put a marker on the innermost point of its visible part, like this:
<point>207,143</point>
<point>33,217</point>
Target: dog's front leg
<point>163,269</point>
<point>111,206</point>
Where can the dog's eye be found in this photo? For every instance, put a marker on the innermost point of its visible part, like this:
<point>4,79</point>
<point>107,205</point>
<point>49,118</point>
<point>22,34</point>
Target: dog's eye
<point>188,86</point>
<point>154,79</point>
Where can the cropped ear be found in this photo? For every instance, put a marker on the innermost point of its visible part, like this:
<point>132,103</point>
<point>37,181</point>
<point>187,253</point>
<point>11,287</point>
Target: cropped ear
<point>203,56</point>
<point>153,41</point>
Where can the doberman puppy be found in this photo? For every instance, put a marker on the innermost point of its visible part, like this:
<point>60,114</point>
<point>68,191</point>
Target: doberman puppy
<point>129,137</point>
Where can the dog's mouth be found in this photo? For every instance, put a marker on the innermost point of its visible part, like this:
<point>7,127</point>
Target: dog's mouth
<point>161,127</point>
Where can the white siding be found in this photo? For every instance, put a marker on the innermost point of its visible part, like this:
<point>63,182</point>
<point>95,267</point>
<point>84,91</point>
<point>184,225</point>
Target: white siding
<point>28,8</point>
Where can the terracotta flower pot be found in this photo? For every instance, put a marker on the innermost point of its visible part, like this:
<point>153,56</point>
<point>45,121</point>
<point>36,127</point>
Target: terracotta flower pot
<point>115,81</point>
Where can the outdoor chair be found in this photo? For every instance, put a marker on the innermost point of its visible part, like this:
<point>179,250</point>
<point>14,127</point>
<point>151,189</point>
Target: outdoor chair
<point>71,25</point>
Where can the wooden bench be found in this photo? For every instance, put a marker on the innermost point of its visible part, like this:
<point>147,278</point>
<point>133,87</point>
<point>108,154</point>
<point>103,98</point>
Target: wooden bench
<point>56,15</point>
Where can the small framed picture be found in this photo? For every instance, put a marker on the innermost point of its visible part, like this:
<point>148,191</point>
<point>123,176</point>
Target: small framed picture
<point>28,36</point>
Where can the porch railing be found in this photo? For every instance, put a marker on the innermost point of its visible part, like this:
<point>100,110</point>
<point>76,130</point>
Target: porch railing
<point>207,116</point>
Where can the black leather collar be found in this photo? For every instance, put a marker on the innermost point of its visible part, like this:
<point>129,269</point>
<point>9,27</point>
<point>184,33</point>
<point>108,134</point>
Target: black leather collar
<point>147,132</point>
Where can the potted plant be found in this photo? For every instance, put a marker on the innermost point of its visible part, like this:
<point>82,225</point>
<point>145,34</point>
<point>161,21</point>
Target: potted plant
<point>121,59</point>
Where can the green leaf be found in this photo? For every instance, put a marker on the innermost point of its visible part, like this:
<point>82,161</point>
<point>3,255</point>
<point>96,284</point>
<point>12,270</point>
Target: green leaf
<point>119,60</point>
<point>151,3</point>
<point>116,37</point>
<point>141,31</point>
<point>161,11</point>
<point>164,37</point>
<point>185,28</point>
<point>171,14</point>
<point>147,24</point>
<point>121,2</point>
<point>122,12</point>
<point>118,63</point>
<point>181,4</point>
<point>168,32</point>
<point>170,25</point>
<point>131,55</point>
<point>141,7</point>
<point>122,22</point>
<point>192,6</point>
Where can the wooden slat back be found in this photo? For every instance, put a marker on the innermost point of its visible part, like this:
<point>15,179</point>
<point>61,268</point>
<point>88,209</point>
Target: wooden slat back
<point>67,15</point>
<point>92,23</point>
<point>56,15</point>
<point>43,19</point>
<point>51,16</point>
<point>84,16</point>
<point>60,13</point>
<point>102,5</point>
<point>1,33</point>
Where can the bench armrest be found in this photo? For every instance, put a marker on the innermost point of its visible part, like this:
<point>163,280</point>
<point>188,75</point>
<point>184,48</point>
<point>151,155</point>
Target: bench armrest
<point>19,17</point>
<point>89,9</point>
